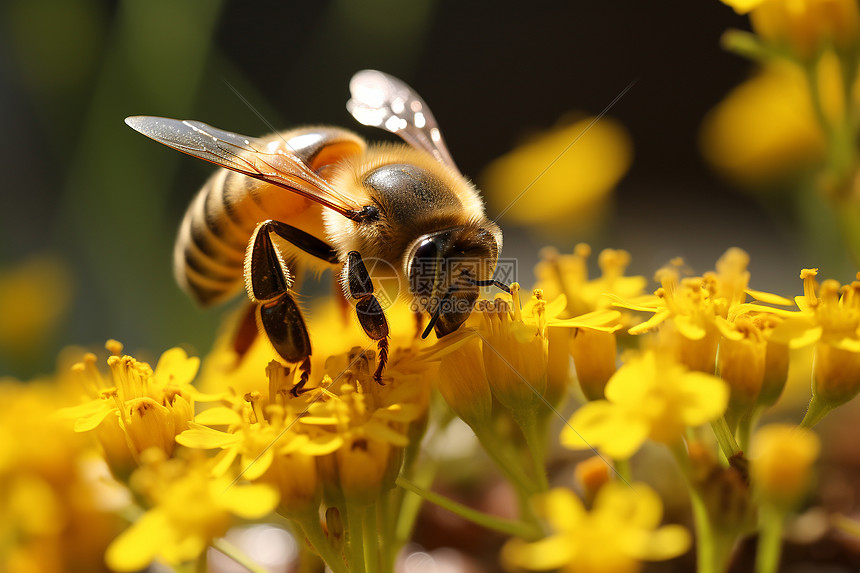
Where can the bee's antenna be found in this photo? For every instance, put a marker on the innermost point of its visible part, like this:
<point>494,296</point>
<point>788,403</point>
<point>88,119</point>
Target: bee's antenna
<point>491,282</point>
<point>436,314</point>
<point>432,323</point>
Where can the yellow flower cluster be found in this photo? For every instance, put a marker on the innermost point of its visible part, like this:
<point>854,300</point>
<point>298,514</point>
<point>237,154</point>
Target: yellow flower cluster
<point>136,408</point>
<point>342,459</point>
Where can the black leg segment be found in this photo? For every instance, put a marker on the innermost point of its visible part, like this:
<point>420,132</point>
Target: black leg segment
<point>304,241</point>
<point>268,282</point>
<point>367,308</point>
<point>283,323</point>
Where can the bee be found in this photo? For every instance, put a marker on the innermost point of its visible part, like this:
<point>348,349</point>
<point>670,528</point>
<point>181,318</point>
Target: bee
<point>319,197</point>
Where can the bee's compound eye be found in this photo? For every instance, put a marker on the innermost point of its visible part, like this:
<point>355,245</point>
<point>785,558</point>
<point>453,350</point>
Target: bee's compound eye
<point>427,250</point>
<point>422,270</point>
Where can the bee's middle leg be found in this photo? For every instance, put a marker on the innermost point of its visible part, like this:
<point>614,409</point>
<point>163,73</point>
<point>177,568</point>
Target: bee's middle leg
<point>367,308</point>
<point>268,282</point>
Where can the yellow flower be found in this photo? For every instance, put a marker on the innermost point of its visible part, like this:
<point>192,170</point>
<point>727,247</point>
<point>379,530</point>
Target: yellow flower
<point>692,312</point>
<point>765,129</point>
<point>742,365</point>
<point>686,313</point>
<point>34,297</point>
<point>464,386</point>
<point>781,460</point>
<point>368,425</point>
<point>135,408</point>
<point>566,185</point>
<point>346,431</point>
<point>188,509</point>
<point>594,351</point>
<point>649,397</point>
<point>515,355</point>
<point>515,345</point>
<point>594,355</point>
<point>829,317</point>
<point>802,25</point>
<point>568,275</point>
<point>225,369</point>
<point>57,500</point>
<point>621,530</point>
<point>837,353</point>
<point>267,444</point>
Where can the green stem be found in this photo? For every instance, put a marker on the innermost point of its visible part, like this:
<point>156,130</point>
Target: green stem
<point>713,548</point>
<point>355,538</point>
<point>622,469</point>
<point>810,73</point>
<point>527,420</point>
<point>815,412</point>
<point>747,45</point>
<point>237,555</point>
<point>513,471</point>
<point>371,540</point>
<point>745,426</point>
<point>388,545</point>
<point>506,526</point>
<point>728,445</point>
<point>313,531</point>
<point>769,540</point>
<point>410,503</point>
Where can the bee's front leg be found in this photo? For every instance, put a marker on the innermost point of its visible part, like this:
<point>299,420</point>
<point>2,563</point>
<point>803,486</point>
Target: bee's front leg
<point>367,308</point>
<point>268,282</point>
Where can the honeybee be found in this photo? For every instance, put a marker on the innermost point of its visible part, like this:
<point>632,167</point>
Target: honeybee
<point>345,202</point>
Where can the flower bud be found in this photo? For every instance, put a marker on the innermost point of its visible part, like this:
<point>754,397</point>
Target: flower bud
<point>594,355</point>
<point>781,460</point>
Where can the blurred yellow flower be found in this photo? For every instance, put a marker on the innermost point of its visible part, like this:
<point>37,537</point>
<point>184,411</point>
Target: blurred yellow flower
<point>765,129</point>
<point>803,26</point>
<point>34,297</point>
<point>563,175</point>
<point>621,530</point>
<point>781,460</point>
<point>57,501</point>
<point>650,396</point>
<point>188,509</point>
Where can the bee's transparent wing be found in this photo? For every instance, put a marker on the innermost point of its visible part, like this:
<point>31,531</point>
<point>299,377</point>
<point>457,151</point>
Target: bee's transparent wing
<point>273,163</point>
<point>383,101</point>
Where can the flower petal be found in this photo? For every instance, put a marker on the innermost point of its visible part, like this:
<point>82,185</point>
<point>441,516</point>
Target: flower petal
<point>137,546</point>
<point>251,501</point>
<point>205,438</point>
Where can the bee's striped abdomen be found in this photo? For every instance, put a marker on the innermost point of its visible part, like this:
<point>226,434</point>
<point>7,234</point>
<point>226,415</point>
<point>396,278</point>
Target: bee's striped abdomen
<point>213,236</point>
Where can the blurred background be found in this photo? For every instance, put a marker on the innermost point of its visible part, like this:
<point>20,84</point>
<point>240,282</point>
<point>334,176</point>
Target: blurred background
<point>89,208</point>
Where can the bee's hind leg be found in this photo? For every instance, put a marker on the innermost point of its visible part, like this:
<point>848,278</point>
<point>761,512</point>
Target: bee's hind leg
<point>367,308</point>
<point>268,282</point>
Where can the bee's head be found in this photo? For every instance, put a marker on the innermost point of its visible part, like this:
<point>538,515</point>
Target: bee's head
<point>446,268</point>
